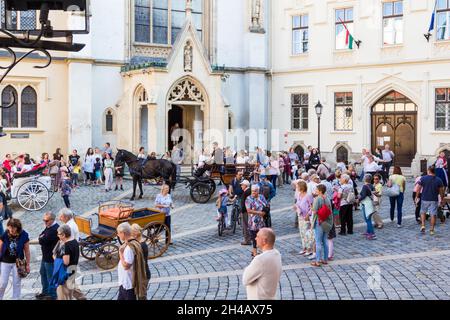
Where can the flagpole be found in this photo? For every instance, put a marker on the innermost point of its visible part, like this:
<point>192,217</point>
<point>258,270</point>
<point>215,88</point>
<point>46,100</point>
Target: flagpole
<point>358,42</point>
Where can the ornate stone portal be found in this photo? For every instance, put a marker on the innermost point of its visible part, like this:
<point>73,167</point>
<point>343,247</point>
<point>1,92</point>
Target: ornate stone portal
<point>186,91</point>
<point>257,13</point>
<point>188,57</point>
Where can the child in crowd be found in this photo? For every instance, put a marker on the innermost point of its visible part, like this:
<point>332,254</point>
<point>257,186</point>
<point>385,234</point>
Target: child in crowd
<point>76,173</point>
<point>98,171</point>
<point>221,205</point>
<point>65,186</point>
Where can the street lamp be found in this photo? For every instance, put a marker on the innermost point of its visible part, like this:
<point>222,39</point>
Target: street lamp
<point>348,112</point>
<point>319,109</point>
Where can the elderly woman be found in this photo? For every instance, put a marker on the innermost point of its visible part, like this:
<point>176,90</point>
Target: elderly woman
<point>164,203</point>
<point>303,206</point>
<point>255,204</point>
<point>14,244</point>
<point>320,232</point>
<point>346,196</point>
<point>68,250</point>
<point>367,208</point>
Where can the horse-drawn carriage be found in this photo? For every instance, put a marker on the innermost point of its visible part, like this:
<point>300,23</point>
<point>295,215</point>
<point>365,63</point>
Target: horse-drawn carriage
<point>201,182</point>
<point>32,190</point>
<point>102,243</point>
<point>206,177</point>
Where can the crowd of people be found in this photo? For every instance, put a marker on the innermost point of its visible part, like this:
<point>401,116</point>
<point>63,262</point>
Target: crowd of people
<point>325,201</point>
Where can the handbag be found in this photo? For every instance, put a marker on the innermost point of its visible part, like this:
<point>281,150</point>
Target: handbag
<point>368,207</point>
<point>393,191</point>
<point>21,265</point>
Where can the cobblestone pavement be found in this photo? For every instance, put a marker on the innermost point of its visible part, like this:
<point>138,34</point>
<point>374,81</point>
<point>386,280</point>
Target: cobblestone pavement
<point>400,264</point>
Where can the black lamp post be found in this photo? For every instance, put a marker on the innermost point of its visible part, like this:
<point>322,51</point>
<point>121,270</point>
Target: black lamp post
<point>319,109</point>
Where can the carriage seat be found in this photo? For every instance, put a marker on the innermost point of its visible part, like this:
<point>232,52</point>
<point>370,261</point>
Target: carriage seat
<point>116,213</point>
<point>104,232</point>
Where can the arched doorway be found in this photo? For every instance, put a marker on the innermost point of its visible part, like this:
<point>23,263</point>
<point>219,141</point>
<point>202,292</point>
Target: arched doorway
<point>300,151</point>
<point>394,122</point>
<point>342,154</point>
<point>186,102</point>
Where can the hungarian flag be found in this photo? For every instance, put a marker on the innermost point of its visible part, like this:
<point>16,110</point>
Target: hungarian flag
<point>348,36</point>
<point>348,39</point>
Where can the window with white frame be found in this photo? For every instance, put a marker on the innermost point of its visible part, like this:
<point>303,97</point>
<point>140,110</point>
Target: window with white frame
<point>300,34</point>
<point>442,109</point>
<point>19,20</point>
<point>344,28</point>
<point>299,112</point>
<point>25,105</point>
<point>393,22</point>
<point>160,21</point>
<point>343,111</point>
<point>443,19</point>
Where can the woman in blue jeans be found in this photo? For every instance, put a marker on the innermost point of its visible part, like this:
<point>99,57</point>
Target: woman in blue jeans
<point>320,235</point>
<point>398,179</point>
<point>365,198</point>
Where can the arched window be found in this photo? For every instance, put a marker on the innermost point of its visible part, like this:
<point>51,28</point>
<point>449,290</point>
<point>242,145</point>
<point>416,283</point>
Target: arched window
<point>109,121</point>
<point>342,154</point>
<point>9,115</point>
<point>28,111</point>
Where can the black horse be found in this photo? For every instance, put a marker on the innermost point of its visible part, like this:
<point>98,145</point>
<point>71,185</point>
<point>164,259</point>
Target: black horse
<point>148,169</point>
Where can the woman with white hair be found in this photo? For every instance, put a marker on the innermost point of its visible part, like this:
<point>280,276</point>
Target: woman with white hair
<point>347,198</point>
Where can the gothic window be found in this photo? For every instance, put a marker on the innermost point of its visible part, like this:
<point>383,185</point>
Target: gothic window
<point>143,98</point>
<point>10,117</point>
<point>152,17</point>
<point>342,154</point>
<point>142,21</point>
<point>28,110</point>
<point>109,121</point>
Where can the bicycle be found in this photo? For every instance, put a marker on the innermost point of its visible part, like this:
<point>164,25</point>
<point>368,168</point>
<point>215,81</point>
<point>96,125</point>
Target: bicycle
<point>235,220</point>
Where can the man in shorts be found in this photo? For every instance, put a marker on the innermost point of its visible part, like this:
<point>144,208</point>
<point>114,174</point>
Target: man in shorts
<point>430,187</point>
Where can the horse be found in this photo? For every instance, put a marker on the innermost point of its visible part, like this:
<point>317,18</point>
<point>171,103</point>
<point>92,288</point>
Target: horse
<point>150,169</point>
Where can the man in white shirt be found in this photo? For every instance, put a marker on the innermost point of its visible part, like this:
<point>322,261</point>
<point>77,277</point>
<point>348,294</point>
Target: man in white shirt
<point>371,167</point>
<point>262,276</point>
<point>126,263</point>
<point>66,217</point>
<point>388,158</point>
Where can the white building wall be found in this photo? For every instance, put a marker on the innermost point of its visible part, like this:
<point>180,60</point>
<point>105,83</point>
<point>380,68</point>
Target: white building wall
<point>414,68</point>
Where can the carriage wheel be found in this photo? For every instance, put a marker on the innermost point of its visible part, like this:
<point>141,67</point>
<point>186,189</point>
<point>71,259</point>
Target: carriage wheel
<point>221,225</point>
<point>212,185</point>
<point>157,237</point>
<point>107,256</point>
<point>88,250</point>
<point>201,192</point>
<point>33,196</point>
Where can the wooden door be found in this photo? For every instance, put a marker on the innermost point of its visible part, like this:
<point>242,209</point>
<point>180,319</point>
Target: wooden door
<point>397,130</point>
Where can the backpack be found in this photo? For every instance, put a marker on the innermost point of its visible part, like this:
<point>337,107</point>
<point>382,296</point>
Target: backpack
<point>350,197</point>
<point>323,213</point>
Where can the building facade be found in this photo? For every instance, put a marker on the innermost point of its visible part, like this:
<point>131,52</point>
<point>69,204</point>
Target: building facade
<point>148,65</point>
<point>387,86</point>
<point>244,73</point>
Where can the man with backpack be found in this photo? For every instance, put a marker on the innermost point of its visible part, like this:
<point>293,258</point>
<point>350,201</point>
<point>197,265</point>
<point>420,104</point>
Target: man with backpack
<point>267,190</point>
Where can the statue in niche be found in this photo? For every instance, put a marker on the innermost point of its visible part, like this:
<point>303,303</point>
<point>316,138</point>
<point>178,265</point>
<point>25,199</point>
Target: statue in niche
<point>256,16</point>
<point>188,57</point>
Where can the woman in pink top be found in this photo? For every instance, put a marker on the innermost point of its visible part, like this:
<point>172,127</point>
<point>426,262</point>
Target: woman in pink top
<point>303,207</point>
